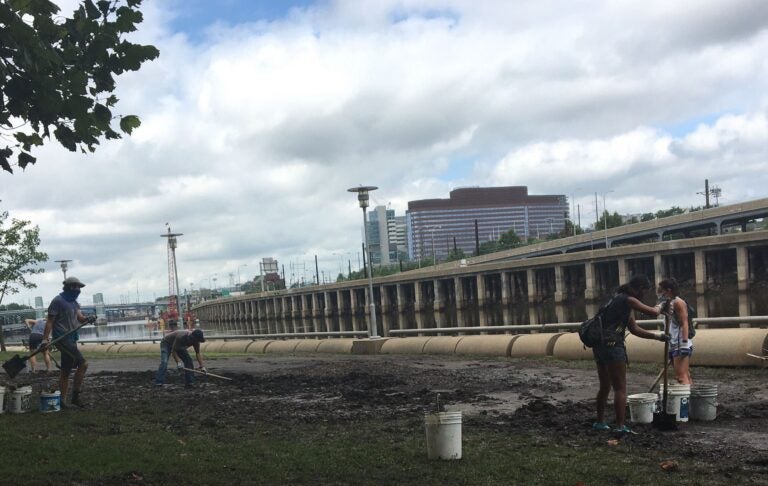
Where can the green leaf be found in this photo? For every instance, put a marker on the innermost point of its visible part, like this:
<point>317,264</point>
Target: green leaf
<point>129,123</point>
<point>92,10</point>
<point>25,159</point>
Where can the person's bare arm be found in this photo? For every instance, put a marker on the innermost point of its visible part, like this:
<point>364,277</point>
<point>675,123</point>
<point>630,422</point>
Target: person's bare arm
<point>640,332</point>
<point>635,304</point>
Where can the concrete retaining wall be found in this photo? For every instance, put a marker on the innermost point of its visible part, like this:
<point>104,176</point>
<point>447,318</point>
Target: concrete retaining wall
<point>442,345</point>
<point>307,346</point>
<point>534,345</point>
<point>712,347</point>
<point>337,346</point>
<point>491,345</point>
<point>286,347</point>
<point>406,345</point>
<point>569,346</point>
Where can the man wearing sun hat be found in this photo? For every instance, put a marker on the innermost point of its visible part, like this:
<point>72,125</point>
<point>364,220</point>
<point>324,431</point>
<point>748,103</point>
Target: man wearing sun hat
<point>64,316</point>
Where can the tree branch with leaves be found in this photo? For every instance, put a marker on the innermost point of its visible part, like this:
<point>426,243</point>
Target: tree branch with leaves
<point>57,74</point>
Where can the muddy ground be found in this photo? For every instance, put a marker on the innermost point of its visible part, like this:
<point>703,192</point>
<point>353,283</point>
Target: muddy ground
<point>550,398</point>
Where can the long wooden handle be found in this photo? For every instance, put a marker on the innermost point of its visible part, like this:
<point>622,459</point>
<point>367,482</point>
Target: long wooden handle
<point>657,380</point>
<point>207,374</point>
<point>40,349</point>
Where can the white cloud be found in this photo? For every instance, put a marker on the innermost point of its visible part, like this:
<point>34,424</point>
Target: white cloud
<point>253,131</point>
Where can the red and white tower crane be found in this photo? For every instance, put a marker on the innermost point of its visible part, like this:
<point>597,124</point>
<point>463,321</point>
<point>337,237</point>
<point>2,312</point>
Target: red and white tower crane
<point>173,275</point>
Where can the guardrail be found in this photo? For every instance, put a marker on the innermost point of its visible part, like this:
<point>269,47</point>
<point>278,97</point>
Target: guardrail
<point>646,324</point>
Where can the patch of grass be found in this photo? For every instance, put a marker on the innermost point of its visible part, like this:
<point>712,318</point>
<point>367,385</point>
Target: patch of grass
<point>165,444</point>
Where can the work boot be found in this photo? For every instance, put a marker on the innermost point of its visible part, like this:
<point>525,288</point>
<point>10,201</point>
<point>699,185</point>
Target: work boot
<point>76,400</point>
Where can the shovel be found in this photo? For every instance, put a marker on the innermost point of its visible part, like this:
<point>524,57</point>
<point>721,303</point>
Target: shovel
<point>207,374</point>
<point>14,365</point>
<point>663,420</point>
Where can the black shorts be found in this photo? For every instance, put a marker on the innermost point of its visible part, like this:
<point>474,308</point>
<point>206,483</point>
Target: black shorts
<point>609,354</point>
<point>71,357</point>
<point>34,341</point>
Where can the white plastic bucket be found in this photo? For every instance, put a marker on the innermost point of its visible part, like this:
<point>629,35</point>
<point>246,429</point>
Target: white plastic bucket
<point>703,401</point>
<point>21,400</point>
<point>678,400</point>
<point>443,435</point>
<point>50,402</point>
<point>2,399</point>
<point>641,407</point>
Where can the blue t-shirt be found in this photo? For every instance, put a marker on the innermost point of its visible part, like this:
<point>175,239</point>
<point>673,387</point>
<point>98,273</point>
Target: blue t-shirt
<point>39,327</point>
<point>64,315</point>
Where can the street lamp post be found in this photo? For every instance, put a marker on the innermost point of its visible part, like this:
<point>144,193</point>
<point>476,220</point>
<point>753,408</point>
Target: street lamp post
<point>362,198</point>
<point>238,274</point>
<point>64,266</point>
<point>550,225</point>
<point>605,215</point>
<point>432,231</point>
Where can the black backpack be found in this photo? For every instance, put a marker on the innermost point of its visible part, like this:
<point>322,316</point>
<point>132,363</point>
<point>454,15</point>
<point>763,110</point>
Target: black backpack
<point>691,316</point>
<point>591,332</point>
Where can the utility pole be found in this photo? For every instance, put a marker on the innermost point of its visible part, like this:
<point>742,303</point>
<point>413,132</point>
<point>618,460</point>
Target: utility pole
<point>64,267</point>
<point>477,240</point>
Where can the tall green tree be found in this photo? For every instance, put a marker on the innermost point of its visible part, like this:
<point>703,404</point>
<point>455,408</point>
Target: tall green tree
<point>57,74</point>
<point>19,257</point>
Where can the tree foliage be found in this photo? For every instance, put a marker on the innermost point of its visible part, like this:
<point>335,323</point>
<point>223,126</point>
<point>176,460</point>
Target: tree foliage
<point>19,255</point>
<point>506,241</point>
<point>57,74</point>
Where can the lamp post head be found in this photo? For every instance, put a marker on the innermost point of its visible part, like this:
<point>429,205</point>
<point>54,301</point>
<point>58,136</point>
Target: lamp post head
<point>362,194</point>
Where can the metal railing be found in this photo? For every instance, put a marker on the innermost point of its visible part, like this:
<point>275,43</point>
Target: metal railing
<point>646,324</point>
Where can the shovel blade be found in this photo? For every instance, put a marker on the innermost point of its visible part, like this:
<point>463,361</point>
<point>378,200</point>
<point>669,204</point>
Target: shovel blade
<point>665,421</point>
<point>14,365</point>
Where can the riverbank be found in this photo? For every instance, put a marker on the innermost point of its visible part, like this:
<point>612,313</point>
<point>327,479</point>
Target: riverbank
<point>359,420</point>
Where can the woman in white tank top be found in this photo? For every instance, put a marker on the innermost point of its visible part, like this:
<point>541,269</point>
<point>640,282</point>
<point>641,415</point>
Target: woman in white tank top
<point>680,346</point>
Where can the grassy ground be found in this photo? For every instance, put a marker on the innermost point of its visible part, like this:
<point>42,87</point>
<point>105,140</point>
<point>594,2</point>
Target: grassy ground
<point>178,437</point>
<point>96,447</point>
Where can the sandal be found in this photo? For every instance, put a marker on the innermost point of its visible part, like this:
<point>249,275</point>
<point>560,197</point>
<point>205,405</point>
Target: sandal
<point>623,430</point>
<point>600,426</point>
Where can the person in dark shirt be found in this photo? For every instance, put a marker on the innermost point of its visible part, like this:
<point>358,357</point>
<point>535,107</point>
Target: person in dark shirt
<point>611,356</point>
<point>176,344</point>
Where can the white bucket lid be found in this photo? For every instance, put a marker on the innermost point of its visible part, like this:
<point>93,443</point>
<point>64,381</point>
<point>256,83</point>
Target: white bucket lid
<point>643,397</point>
<point>442,418</point>
<point>57,393</point>
<point>23,390</point>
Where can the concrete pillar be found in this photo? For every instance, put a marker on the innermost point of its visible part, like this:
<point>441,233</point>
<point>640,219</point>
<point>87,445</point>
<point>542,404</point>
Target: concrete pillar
<point>743,307</point>
<point>622,264</point>
<point>461,301</point>
<point>328,304</point>
<point>742,268</point>
<point>386,303</point>
<point>352,301</point>
<point>559,284</point>
<point>532,293</point>
<point>505,288</point>
<point>315,304</point>
<point>481,297</point>
<point>340,301</point>
<point>418,298</point>
<point>439,303</point>
<point>590,289</point>
<point>658,268</point>
<point>700,271</point>
<point>400,298</point>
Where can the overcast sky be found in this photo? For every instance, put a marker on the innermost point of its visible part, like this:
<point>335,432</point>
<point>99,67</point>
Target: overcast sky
<point>259,115</point>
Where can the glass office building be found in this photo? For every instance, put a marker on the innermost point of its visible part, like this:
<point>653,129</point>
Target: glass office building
<point>434,226</point>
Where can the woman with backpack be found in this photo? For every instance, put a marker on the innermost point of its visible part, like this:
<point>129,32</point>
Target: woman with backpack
<point>611,355</point>
<point>680,338</point>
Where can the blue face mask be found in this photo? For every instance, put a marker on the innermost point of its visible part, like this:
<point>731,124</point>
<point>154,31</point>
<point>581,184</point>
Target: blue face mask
<point>70,295</point>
